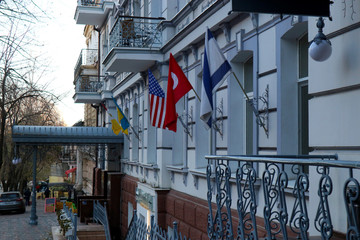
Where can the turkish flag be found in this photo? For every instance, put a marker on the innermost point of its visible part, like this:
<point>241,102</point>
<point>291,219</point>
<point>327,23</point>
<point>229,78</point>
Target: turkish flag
<point>178,86</point>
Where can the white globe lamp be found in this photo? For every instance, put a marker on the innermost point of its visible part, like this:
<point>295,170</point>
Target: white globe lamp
<point>320,48</point>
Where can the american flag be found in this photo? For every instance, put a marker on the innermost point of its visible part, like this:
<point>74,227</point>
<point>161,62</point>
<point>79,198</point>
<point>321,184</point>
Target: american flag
<point>157,102</point>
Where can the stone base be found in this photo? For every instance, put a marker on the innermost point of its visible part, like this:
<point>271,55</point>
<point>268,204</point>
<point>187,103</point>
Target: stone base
<point>56,234</point>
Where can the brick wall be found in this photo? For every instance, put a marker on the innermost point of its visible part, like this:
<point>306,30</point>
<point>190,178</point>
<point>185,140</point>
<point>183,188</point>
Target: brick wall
<point>189,212</point>
<point>128,188</point>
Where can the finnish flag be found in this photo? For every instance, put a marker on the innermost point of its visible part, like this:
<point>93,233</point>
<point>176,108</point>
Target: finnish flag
<point>215,70</point>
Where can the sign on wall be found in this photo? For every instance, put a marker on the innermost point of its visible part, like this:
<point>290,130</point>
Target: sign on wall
<point>293,7</point>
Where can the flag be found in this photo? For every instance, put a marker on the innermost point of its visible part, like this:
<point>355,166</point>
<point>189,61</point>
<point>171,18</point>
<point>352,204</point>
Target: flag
<point>115,126</point>
<point>215,70</point>
<point>124,123</point>
<point>178,86</point>
<point>157,102</point>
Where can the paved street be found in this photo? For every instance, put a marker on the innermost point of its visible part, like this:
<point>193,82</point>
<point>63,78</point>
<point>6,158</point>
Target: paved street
<point>15,226</point>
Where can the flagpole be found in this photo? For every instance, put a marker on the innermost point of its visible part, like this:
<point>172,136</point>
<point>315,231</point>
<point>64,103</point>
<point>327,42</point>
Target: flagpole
<point>252,105</point>
<point>136,134</point>
<point>197,95</point>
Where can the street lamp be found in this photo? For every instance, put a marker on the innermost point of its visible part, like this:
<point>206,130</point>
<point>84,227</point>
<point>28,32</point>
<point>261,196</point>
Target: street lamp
<point>320,49</point>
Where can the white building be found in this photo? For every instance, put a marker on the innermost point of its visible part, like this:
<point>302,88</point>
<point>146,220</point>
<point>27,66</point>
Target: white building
<point>307,107</point>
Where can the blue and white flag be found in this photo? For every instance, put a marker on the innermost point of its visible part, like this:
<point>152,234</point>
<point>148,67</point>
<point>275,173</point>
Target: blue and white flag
<point>215,70</point>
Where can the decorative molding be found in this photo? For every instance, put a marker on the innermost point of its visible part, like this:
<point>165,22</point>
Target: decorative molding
<point>255,19</point>
<point>263,74</point>
<point>227,31</point>
<point>335,148</point>
<point>185,175</point>
<point>185,57</point>
<point>172,178</point>
<point>196,182</point>
<point>336,90</point>
<point>194,51</point>
<point>343,30</point>
<point>239,40</point>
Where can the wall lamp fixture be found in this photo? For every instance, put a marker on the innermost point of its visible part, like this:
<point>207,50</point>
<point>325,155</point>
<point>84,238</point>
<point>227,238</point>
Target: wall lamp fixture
<point>320,48</point>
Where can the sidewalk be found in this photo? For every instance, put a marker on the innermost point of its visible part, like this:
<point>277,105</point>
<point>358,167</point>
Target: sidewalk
<point>15,226</point>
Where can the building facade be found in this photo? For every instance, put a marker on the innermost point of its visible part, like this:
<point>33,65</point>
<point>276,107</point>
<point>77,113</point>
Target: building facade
<point>305,107</point>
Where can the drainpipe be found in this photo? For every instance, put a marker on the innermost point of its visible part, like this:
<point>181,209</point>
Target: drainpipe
<point>99,56</point>
<point>97,107</point>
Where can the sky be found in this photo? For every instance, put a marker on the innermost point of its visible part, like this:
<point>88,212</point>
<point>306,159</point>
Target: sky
<point>62,41</point>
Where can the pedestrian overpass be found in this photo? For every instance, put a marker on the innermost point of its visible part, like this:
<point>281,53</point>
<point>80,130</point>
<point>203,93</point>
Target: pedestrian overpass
<point>42,135</point>
<point>54,135</point>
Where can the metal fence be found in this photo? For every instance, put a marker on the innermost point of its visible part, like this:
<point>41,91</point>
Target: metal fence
<point>242,173</point>
<point>139,230</point>
<point>71,234</point>
<point>135,32</point>
<point>100,216</point>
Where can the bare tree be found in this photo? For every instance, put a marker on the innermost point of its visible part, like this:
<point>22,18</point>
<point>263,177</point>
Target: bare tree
<point>25,10</point>
<point>22,101</point>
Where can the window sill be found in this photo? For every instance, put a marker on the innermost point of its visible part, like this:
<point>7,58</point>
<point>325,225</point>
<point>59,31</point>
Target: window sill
<point>177,168</point>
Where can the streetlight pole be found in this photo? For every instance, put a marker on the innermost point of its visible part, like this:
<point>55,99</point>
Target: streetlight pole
<point>33,216</point>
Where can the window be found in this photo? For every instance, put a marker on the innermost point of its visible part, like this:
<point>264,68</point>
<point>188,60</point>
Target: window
<point>248,86</point>
<point>240,112</point>
<point>292,91</point>
<point>303,96</point>
<point>134,133</point>
<point>303,46</point>
<point>130,212</point>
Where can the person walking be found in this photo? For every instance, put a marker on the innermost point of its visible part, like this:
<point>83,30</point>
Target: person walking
<point>47,193</point>
<point>27,195</point>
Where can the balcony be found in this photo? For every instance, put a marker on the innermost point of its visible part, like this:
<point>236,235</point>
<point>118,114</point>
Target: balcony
<point>92,12</point>
<point>134,44</point>
<point>283,197</point>
<point>86,80</point>
<point>88,89</point>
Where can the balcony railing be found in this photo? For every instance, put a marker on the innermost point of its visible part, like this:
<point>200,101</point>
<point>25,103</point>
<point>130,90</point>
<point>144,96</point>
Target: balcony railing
<point>90,2</point>
<point>87,57</point>
<point>271,189</point>
<point>136,32</point>
<point>88,84</point>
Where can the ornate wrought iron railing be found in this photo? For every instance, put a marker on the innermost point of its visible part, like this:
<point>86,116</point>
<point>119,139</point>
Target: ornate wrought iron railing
<point>135,32</point>
<point>100,216</point>
<point>90,2</point>
<point>139,230</point>
<point>242,173</point>
<point>87,57</point>
<point>88,83</point>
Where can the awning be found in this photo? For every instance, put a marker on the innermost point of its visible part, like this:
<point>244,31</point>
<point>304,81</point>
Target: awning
<point>70,171</point>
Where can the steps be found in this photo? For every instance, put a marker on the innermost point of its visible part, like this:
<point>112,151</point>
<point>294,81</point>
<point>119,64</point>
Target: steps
<point>91,231</point>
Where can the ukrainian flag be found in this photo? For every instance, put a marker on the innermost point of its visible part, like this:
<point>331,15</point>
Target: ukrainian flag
<point>124,123</point>
<point>115,126</point>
